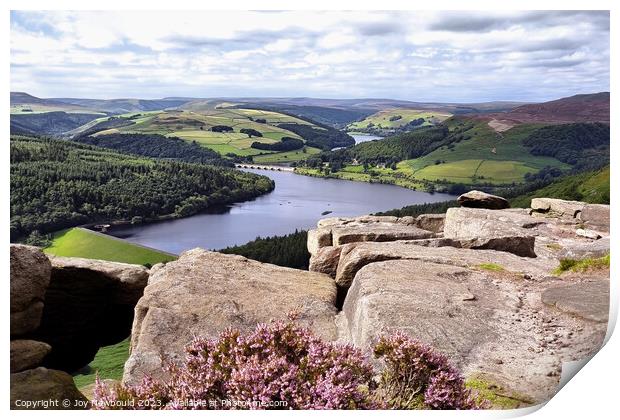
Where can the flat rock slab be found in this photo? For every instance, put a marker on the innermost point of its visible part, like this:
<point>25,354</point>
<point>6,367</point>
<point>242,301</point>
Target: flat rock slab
<point>596,215</point>
<point>353,258</point>
<point>588,300</point>
<point>203,293</point>
<point>376,232</point>
<point>577,250</point>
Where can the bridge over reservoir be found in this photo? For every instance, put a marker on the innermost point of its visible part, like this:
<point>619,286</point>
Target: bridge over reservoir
<point>264,167</point>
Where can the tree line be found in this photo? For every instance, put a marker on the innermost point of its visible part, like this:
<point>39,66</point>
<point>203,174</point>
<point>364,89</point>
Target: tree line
<point>56,184</point>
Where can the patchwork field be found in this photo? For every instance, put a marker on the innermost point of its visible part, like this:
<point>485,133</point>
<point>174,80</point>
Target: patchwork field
<point>397,118</point>
<point>83,243</point>
<point>196,127</point>
<point>486,156</point>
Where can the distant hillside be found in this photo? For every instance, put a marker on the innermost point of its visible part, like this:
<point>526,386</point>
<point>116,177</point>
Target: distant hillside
<point>579,108</point>
<point>53,123</point>
<point>121,106</point>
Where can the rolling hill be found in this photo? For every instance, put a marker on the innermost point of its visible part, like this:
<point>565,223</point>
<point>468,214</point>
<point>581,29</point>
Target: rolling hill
<point>484,151</point>
<point>578,108</point>
<point>231,132</point>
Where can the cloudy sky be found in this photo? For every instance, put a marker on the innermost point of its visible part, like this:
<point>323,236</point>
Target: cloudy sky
<point>420,56</point>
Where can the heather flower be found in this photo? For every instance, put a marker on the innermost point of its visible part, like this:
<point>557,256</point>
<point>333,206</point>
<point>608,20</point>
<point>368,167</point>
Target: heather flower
<point>416,376</point>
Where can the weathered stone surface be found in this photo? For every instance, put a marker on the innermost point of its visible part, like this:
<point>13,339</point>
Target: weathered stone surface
<point>431,222</point>
<point>588,233</point>
<point>596,215</point>
<point>510,230</point>
<point>376,232</point>
<point>482,200</point>
<point>557,207</point>
<point>589,300</point>
<point>27,354</point>
<point>48,387</point>
<point>326,260</point>
<point>486,322</point>
<point>30,275</point>
<point>353,259</point>
<point>319,238</point>
<point>89,304</point>
<point>337,221</point>
<point>203,292</point>
<point>579,250</point>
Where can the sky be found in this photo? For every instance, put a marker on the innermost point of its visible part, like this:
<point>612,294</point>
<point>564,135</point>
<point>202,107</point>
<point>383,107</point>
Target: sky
<point>452,56</point>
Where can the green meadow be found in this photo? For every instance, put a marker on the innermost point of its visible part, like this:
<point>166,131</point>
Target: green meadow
<point>390,119</point>
<point>195,124</point>
<point>80,242</point>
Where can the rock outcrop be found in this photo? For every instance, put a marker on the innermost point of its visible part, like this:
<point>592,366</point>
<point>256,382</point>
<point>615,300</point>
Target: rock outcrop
<point>88,304</point>
<point>203,293</point>
<point>30,276</point>
<point>557,207</point>
<point>43,388</point>
<point>482,200</point>
<point>62,311</point>
<point>27,354</point>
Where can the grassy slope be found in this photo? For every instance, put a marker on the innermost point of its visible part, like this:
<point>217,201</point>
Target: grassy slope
<point>485,157</point>
<point>591,187</point>
<point>108,362</point>
<point>79,242</point>
<point>382,118</point>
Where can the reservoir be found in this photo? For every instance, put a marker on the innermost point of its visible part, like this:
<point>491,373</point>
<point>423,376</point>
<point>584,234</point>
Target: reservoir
<point>297,202</point>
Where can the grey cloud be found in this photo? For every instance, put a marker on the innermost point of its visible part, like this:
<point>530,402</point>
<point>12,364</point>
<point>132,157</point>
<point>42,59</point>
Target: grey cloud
<point>484,22</point>
<point>379,28</point>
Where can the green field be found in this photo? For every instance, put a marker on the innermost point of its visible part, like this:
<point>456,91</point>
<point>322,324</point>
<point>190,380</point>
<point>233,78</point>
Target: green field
<point>79,242</point>
<point>286,157</point>
<point>108,363</point>
<point>486,157</point>
<point>193,125</point>
<point>386,119</point>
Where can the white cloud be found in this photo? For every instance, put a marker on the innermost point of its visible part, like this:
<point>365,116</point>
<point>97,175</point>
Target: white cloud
<point>442,56</point>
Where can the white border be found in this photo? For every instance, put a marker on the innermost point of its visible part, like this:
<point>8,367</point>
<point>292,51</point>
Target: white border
<point>594,391</point>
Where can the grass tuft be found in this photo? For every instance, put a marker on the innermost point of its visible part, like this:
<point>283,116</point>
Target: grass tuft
<point>582,265</point>
<point>491,267</point>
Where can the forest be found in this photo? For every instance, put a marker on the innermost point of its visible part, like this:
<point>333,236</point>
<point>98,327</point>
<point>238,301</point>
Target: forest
<point>157,146</point>
<point>322,136</point>
<point>286,251</point>
<point>584,146</point>
<point>285,144</point>
<point>57,184</point>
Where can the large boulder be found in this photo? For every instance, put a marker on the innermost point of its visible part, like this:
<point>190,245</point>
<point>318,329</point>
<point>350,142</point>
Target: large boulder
<point>482,200</point>
<point>203,293</point>
<point>353,259</point>
<point>486,322</point>
<point>318,238</point>
<point>557,207</point>
<point>512,230</point>
<point>27,354</point>
<point>43,388</point>
<point>88,304</point>
<point>30,276</point>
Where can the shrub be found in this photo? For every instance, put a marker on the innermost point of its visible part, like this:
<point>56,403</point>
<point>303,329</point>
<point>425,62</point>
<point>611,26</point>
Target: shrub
<point>278,362</point>
<point>416,376</point>
<point>282,365</point>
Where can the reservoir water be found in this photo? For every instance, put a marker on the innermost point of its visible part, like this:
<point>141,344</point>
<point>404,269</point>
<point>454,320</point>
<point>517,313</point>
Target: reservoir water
<point>361,138</point>
<point>296,203</point>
